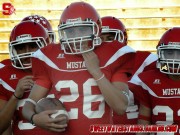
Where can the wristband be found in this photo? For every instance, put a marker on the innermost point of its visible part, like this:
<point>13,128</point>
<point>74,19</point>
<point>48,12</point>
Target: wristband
<point>31,120</point>
<point>16,96</point>
<point>100,78</point>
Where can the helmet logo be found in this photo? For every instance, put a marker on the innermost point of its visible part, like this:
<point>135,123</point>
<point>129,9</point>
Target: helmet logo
<point>174,43</point>
<point>23,37</point>
<point>105,27</point>
<point>74,20</point>
<point>37,19</point>
<point>164,67</point>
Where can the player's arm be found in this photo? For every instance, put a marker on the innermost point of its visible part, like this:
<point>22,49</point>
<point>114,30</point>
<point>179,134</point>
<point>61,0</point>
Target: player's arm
<point>7,108</point>
<point>144,117</point>
<point>40,90</point>
<point>142,95</point>
<point>115,94</point>
<point>6,113</point>
<point>36,94</point>
<point>42,119</point>
<point>8,131</point>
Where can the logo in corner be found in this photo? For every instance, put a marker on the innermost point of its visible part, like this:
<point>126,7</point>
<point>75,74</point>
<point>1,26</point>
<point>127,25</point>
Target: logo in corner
<point>13,77</point>
<point>61,55</point>
<point>8,9</point>
<point>157,81</point>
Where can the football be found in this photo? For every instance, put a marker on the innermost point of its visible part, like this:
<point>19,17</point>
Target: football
<point>52,104</point>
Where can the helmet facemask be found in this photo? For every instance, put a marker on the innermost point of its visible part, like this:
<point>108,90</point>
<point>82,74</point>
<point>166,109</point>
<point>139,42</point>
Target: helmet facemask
<point>52,36</point>
<point>169,58</point>
<point>18,58</point>
<point>77,36</point>
<point>117,34</point>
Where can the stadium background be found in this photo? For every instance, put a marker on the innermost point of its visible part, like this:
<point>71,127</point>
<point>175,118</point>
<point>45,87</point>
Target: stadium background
<point>145,20</point>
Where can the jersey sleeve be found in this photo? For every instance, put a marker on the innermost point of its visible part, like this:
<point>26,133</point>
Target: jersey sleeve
<point>120,76</point>
<point>124,70</point>
<point>5,89</point>
<point>123,64</point>
<point>128,64</point>
<point>40,73</point>
<point>4,94</point>
<point>140,94</point>
<point>6,62</point>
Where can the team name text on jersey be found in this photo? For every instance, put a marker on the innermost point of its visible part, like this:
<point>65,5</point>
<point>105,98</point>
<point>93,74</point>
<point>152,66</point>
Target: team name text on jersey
<point>171,91</point>
<point>76,65</point>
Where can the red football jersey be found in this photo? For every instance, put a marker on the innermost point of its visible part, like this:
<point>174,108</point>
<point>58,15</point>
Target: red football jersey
<point>143,61</point>
<point>1,65</point>
<point>161,94</point>
<point>6,62</point>
<point>74,85</point>
<point>9,77</point>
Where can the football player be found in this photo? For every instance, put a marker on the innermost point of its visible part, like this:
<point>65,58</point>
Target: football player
<point>114,29</point>
<point>45,23</point>
<point>78,73</point>
<point>158,89</point>
<point>16,79</point>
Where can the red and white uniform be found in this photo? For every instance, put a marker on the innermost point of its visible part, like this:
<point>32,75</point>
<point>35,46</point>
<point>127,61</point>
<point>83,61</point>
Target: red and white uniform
<point>5,62</point>
<point>143,61</point>
<point>161,94</point>
<point>1,65</point>
<point>9,77</point>
<point>74,85</point>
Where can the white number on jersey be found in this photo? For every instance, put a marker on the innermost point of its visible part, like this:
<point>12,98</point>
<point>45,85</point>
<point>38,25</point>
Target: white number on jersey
<point>88,98</point>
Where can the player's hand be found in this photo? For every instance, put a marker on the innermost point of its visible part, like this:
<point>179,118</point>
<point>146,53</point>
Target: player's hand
<point>92,64</point>
<point>24,83</point>
<point>92,61</point>
<point>44,121</point>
